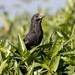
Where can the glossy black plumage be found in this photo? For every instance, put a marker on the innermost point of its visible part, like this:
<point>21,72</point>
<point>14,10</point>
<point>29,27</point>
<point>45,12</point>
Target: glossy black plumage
<point>35,34</point>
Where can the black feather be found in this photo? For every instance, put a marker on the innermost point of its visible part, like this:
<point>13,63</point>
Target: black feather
<point>35,35</point>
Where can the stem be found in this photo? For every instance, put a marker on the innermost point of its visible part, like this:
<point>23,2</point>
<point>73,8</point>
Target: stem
<point>52,72</point>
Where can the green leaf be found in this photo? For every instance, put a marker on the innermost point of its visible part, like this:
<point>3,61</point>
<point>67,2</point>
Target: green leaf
<point>67,59</point>
<point>44,65</point>
<point>2,66</point>
<point>3,49</point>
<point>70,70</point>
<point>21,46</point>
<point>13,45</point>
<point>57,48</point>
<point>31,68</point>
<point>72,31</point>
<point>72,35</point>
<point>69,41</point>
<point>33,55</point>
<point>8,51</point>
<point>43,71</point>
<point>59,34</point>
<point>33,49</point>
<point>54,63</point>
<point>68,53</point>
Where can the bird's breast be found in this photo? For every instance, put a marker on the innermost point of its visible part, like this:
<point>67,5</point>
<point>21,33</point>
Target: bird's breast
<point>39,38</point>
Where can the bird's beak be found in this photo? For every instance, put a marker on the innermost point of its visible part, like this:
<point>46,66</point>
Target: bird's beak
<point>41,15</point>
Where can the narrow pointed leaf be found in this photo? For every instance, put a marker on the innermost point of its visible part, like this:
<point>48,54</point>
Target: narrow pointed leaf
<point>31,68</point>
<point>13,45</point>
<point>57,48</point>
<point>2,66</point>
<point>54,63</point>
<point>3,49</point>
<point>68,53</point>
<point>21,45</point>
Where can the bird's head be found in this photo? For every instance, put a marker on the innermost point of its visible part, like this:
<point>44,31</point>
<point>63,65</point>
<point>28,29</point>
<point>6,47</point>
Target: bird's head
<point>38,17</point>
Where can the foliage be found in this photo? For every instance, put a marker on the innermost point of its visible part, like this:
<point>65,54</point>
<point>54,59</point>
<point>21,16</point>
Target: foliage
<point>54,56</point>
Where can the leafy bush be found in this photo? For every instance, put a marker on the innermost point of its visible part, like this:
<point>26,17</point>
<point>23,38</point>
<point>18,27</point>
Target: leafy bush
<point>54,56</point>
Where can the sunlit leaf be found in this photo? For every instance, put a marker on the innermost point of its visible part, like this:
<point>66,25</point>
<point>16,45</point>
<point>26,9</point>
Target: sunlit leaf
<point>57,48</point>
<point>54,63</point>
<point>2,66</point>
<point>21,45</point>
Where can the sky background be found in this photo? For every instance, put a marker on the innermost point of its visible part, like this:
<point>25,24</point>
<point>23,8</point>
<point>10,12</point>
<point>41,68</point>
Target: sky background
<point>19,6</point>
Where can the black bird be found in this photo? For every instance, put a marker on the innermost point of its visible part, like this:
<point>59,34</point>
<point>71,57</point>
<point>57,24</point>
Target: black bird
<point>35,35</point>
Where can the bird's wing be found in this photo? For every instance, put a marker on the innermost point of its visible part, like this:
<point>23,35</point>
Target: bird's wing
<point>31,39</point>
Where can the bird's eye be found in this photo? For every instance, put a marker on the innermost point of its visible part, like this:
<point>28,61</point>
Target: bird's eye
<point>36,16</point>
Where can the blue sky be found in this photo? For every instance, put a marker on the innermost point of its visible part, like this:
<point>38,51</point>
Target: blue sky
<point>31,7</point>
